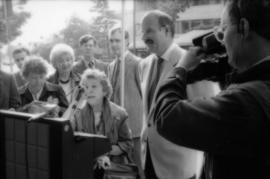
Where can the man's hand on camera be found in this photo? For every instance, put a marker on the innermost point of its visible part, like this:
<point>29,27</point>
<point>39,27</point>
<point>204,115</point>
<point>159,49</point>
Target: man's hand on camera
<point>191,59</point>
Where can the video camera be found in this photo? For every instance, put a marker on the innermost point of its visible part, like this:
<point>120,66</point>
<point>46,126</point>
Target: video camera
<point>215,65</point>
<point>209,44</point>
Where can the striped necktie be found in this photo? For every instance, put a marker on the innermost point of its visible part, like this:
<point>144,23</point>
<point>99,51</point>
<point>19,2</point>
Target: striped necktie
<point>157,71</point>
<point>115,80</point>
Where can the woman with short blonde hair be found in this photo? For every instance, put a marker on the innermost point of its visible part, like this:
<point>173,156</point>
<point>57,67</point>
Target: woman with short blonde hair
<point>62,59</point>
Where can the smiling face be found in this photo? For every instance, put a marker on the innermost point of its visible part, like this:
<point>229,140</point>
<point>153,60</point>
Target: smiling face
<point>154,36</point>
<point>64,63</point>
<point>94,92</point>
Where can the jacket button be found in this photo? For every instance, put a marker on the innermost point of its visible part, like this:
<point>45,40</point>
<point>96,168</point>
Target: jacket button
<point>149,125</point>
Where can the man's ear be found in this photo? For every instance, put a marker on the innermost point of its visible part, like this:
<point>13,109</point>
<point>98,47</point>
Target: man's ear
<point>244,27</point>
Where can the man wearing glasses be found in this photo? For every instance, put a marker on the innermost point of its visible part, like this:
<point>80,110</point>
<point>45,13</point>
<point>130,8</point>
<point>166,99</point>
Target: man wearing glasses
<point>232,127</point>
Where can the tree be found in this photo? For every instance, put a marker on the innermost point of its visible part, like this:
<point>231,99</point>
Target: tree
<point>172,7</point>
<point>76,27</point>
<point>11,21</point>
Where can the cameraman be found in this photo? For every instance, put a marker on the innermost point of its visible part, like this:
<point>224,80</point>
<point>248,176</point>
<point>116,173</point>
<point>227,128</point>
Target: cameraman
<point>233,128</point>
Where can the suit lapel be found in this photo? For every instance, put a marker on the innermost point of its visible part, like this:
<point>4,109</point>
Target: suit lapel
<point>175,55</point>
<point>149,72</point>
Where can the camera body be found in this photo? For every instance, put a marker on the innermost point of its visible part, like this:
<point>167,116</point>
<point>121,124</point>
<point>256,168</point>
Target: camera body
<point>214,66</point>
<point>209,44</point>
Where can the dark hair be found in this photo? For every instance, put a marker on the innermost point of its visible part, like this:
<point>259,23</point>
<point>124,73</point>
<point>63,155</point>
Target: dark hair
<point>85,38</point>
<point>118,29</point>
<point>19,50</point>
<point>35,64</point>
<point>257,13</point>
<point>98,75</point>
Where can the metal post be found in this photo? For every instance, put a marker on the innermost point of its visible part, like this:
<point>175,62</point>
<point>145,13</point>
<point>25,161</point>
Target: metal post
<point>122,71</point>
<point>134,27</point>
<point>7,32</point>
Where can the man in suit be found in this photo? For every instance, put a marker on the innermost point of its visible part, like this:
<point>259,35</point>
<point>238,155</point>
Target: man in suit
<point>9,96</point>
<point>232,127</point>
<point>132,88</point>
<point>164,159</point>
<point>88,45</point>
<point>19,55</point>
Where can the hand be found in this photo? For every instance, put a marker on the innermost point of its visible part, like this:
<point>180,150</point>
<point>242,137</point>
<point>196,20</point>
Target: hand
<point>116,150</point>
<point>104,162</point>
<point>191,59</point>
<point>53,100</point>
<point>54,112</point>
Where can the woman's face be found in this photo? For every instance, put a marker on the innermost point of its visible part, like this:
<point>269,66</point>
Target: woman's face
<point>94,92</point>
<point>64,63</point>
<point>36,81</point>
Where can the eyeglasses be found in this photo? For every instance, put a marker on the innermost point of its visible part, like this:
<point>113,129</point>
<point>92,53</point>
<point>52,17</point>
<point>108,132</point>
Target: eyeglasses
<point>219,32</point>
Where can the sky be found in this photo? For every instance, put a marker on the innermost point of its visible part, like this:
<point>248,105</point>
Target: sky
<point>50,16</point>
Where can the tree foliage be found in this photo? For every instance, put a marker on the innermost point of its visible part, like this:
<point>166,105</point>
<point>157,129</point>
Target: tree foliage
<point>172,7</point>
<point>11,22</point>
<point>76,27</point>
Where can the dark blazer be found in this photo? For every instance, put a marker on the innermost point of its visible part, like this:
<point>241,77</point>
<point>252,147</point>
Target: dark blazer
<point>233,127</point>
<point>49,90</point>
<point>20,81</point>
<point>83,117</point>
<point>133,93</point>
<point>9,96</point>
<point>80,66</point>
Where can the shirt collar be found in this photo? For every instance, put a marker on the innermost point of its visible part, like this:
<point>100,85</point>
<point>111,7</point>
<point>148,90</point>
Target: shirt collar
<point>166,54</point>
<point>125,55</point>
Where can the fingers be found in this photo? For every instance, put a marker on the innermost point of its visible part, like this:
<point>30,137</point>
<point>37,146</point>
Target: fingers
<point>104,162</point>
<point>192,58</point>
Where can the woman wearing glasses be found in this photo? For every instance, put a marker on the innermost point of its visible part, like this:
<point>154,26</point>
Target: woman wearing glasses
<point>62,58</point>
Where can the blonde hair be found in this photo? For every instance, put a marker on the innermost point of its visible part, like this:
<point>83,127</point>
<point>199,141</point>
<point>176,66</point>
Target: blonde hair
<point>58,50</point>
<point>98,75</point>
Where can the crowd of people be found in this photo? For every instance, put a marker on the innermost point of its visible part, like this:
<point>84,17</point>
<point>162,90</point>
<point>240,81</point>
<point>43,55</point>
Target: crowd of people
<point>158,127</point>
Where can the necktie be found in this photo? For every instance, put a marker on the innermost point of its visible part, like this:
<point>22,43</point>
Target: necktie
<point>157,71</point>
<point>115,82</point>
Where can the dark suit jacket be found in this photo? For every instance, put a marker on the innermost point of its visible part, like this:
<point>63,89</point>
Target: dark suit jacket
<point>233,127</point>
<point>80,66</point>
<point>48,90</point>
<point>20,81</point>
<point>9,96</point>
<point>84,122</point>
